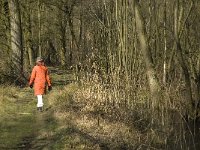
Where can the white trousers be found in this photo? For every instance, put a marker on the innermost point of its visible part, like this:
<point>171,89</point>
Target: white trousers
<point>40,101</point>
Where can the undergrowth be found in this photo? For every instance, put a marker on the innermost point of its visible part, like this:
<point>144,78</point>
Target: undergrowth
<point>111,119</point>
<point>93,115</point>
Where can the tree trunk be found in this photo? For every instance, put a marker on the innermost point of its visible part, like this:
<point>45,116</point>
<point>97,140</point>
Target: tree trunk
<point>150,71</point>
<point>16,39</point>
<point>63,41</point>
<point>177,25</point>
<point>39,29</point>
<point>165,45</point>
<point>29,41</point>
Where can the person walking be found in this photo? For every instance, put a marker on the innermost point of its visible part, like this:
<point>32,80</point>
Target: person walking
<point>39,78</point>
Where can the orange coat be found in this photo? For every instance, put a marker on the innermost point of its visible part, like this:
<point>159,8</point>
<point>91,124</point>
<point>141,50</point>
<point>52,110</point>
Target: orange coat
<point>39,77</point>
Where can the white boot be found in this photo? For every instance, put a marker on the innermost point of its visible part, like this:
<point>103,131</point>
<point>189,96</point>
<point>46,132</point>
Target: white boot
<point>39,103</point>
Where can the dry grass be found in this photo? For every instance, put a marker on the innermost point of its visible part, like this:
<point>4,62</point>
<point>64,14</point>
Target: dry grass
<point>115,127</point>
<point>118,119</point>
<point>99,116</point>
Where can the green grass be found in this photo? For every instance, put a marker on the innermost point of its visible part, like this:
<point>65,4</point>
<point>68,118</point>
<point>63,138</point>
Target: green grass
<point>21,126</point>
<point>62,127</point>
<point>75,119</point>
<point>16,116</point>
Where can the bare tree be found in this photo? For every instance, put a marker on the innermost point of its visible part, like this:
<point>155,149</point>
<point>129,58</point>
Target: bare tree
<point>151,74</point>
<point>16,38</point>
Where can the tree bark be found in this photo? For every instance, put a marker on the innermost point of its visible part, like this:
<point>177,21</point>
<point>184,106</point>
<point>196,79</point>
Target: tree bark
<point>39,29</point>
<point>29,40</point>
<point>16,38</point>
<point>63,41</point>
<point>177,25</point>
<point>150,71</point>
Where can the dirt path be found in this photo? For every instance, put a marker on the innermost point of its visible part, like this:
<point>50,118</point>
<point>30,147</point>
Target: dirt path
<point>21,126</point>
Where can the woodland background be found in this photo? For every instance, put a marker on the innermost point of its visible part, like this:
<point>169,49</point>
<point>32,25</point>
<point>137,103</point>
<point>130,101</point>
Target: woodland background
<point>136,61</point>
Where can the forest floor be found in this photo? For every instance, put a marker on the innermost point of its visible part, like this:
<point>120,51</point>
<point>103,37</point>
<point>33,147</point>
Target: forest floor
<point>23,127</point>
<point>67,123</point>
